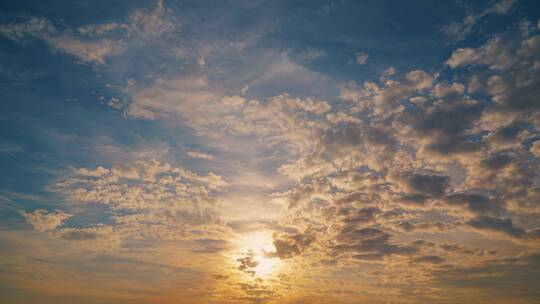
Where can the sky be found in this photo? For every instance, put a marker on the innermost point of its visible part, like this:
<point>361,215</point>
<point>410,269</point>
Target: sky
<point>275,151</point>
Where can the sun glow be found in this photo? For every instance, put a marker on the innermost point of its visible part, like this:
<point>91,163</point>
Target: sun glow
<point>260,244</point>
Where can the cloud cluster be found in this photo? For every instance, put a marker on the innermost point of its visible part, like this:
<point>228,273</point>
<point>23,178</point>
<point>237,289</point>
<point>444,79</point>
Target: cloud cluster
<point>93,43</point>
<point>401,161</point>
<point>290,244</point>
<point>147,199</point>
<point>388,176</point>
<point>414,148</point>
<point>460,30</point>
<point>42,220</point>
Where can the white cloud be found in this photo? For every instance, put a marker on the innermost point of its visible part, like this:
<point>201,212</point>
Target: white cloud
<point>86,43</point>
<point>197,154</point>
<point>188,97</point>
<point>361,58</point>
<point>42,220</point>
<point>150,23</point>
<point>88,51</point>
<point>143,184</point>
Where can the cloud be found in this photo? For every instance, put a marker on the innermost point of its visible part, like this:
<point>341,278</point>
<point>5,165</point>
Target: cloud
<point>248,263</point>
<point>143,184</point>
<point>78,235</point>
<point>361,58</point>
<point>147,199</point>
<point>493,54</point>
<point>416,155</point>
<point>288,245</point>
<point>88,51</point>
<point>429,259</point>
<point>460,30</point>
<point>87,43</point>
<point>34,27</point>
<point>43,220</point>
<point>516,56</point>
<point>378,179</point>
<point>197,154</point>
<point>305,192</point>
<point>97,238</point>
<point>150,23</point>
<point>535,148</point>
<point>498,225</point>
<point>495,277</point>
<point>432,227</point>
<point>181,96</point>
<point>369,243</point>
<point>430,184</point>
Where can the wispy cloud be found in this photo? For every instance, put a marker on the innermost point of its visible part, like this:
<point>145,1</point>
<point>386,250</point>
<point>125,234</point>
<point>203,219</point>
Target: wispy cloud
<point>460,30</point>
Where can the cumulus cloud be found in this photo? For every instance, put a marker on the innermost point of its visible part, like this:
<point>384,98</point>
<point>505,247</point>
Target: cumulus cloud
<point>288,245</point>
<point>384,175</point>
<point>361,58</point>
<point>415,155</point>
<point>144,184</point>
<point>43,220</point>
<point>148,199</point>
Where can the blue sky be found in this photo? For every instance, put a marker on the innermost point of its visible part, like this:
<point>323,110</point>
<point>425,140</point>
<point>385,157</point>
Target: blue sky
<point>228,146</point>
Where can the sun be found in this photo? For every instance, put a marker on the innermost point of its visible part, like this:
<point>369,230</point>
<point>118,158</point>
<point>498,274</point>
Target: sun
<point>260,244</point>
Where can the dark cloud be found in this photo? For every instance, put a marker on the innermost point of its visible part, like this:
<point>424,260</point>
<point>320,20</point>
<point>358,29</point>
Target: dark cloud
<point>369,256</point>
<point>496,161</point>
<point>247,263</point>
<point>423,184</point>
<point>305,192</point>
<point>424,227</point>
<point>500,225</point>
<point>507,279</point>
<point>289,245</point>
<point>358,216</point>
<point>473,202</point>
<point>79,235</point>
<point>414,199</point>
<point>453,146</point>
<point>508,135</point>
<point>443,127</point>
<point>370,241</point>
<point>429,259</point>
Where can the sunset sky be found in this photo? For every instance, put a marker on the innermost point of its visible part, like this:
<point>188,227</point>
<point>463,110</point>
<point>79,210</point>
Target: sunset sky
<point>281,152</point>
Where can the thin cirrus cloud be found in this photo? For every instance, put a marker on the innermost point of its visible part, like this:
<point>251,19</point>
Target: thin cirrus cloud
<point>91,44</point>
<point>207,147</point>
